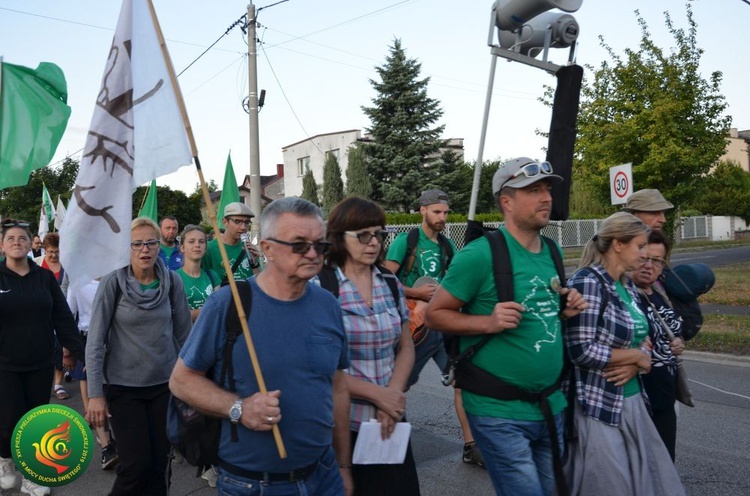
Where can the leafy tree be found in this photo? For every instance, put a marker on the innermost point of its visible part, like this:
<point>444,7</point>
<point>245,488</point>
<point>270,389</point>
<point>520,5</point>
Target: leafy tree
<point>309,187</point>
<point>726,191</point>
<point>357,179</point>
<point>25,202</point>
<point>186,209</point>
<point>405,146</point>
<point>654,109</point>
<point>333,186</point>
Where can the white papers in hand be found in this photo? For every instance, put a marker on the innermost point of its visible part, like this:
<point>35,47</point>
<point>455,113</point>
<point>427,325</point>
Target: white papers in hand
<point>372,449</point>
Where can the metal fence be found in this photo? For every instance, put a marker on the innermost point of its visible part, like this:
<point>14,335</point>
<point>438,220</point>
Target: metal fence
<point>568,234</point>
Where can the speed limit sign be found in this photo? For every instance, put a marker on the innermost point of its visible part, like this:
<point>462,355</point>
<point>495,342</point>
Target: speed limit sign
<point>621,183</point>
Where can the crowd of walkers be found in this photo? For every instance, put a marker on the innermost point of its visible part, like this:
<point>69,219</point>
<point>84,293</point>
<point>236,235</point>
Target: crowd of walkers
<point>332,318</point>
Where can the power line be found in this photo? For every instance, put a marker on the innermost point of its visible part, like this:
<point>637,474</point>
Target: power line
<point>232,26</point>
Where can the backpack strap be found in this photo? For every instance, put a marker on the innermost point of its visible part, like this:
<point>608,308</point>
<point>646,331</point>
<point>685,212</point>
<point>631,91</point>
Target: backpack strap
<point>330,282</point>
<point>234,329</point>
<point>446,253</point>
<point>411,253</point>
<point>118,297</point>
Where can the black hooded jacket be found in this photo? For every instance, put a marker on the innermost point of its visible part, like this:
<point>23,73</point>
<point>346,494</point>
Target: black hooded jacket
<point>32,310</point>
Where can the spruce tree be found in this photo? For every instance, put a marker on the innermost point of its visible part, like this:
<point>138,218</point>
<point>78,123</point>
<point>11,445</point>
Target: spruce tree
<point>310,187</point>
<point>333,186</point>
<point>405,144</point>
<point>357,180</point>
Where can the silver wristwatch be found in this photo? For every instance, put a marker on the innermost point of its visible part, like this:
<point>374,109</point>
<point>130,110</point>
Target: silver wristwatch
<point>235,413</point>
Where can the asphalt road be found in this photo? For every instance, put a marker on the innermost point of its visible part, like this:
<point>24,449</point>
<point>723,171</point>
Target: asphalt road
<point>713,258</point>
<point>713,440</point>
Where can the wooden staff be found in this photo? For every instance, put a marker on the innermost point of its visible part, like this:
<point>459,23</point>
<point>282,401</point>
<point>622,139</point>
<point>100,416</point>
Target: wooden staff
<point>215,225</point>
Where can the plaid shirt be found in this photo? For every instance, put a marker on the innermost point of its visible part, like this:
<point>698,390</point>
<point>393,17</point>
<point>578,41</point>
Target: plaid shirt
<point>372,334</point>
<point>589,343</point>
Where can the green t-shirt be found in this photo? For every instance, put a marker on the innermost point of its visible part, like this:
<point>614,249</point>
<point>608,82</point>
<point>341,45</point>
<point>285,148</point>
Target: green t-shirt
<point>168,250</point>
<point>212,260</point>
<point>640,331</point>
<point>151,285</point>
<point>529,356</point>
<point>198,289</point>
<point>428,261</point>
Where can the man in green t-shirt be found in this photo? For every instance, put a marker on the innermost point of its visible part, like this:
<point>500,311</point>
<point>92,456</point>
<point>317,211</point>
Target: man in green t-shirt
<point>236,221</point>
<point>430,260</point>
<point>527,349</point>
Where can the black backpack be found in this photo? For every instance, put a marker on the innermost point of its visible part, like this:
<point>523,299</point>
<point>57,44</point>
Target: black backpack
<point>474,379</point>
<point>328,281</point>
<point>446,253</point>
<point>195,435</point>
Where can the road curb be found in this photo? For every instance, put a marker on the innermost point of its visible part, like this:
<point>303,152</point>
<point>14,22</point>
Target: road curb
<point>719,358</point>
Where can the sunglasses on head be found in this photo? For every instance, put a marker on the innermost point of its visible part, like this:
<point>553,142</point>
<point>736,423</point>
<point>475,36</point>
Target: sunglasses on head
<point>302,247</point>
<point>15,223</point>
<point>532,169</point>
<point>365,237</point>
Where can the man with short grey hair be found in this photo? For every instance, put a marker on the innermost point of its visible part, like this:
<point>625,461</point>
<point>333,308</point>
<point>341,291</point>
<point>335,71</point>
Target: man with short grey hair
<point>299,336</point>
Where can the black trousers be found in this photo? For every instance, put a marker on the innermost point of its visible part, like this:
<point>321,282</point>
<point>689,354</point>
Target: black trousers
<point>139,423</point>
<point>20,392</point>
<point>391,480</point>
<point>661,387</point>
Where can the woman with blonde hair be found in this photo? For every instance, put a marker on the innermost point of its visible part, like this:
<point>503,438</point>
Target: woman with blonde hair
<point>140,321</point>
<point>617,450</point>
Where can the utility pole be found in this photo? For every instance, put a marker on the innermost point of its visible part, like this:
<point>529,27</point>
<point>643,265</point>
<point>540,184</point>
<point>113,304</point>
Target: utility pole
<point>252,81</point>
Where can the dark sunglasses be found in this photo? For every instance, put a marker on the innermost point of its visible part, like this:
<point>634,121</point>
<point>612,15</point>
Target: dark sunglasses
<point>365,237</point>
<point>15,223</point>
<point>302,247</point>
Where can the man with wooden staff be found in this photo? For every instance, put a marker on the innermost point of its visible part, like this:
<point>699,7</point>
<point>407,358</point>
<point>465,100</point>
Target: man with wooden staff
<point>298,333</point>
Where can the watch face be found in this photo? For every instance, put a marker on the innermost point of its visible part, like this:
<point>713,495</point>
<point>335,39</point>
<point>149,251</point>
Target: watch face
<point>236,411</point>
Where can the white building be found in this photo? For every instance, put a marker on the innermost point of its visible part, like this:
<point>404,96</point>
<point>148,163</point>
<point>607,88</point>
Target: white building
<point>312,153</point>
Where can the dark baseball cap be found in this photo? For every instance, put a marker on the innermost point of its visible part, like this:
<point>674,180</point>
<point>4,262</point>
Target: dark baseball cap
<point>433,196</point>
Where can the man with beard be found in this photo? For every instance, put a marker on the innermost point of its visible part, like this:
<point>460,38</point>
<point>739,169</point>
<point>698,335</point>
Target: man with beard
<point>428,254</point>
<point>169,251</point>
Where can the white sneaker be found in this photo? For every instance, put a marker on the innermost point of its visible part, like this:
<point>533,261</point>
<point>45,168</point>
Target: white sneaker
<point>28,487</point>
<point>211,476</point>
<point>8,475</point>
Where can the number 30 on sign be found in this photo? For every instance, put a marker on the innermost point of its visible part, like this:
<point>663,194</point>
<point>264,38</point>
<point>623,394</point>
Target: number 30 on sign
<point>620,183</point>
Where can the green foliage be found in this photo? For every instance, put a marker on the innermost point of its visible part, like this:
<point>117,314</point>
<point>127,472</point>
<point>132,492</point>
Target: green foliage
<point>654,109</point>
<point>357,179</point>
<point>403,154</point>
<point>726,191</point>
<point>310,187</point>
<point>25,202</point>
<point>333,186</point>
<point>186,209</point>
<point>210,185</point>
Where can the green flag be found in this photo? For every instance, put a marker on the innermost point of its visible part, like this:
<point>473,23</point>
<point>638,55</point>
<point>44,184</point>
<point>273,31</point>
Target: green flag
<point>230,192</point>
<point>150,207</point>
<point>49,209</point>
<point>33,116</point>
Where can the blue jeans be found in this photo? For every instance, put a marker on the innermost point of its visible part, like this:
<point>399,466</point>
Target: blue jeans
<point>324,481</point>
<point>432,347</point>
<point>517,454</point>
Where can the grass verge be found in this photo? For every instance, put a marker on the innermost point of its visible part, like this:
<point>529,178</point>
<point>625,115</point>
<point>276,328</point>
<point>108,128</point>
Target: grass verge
<point>731,286</point>
<point>723,334</point>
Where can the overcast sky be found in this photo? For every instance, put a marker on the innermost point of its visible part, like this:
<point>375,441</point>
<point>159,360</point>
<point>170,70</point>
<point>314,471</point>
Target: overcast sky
<point>317,57</point>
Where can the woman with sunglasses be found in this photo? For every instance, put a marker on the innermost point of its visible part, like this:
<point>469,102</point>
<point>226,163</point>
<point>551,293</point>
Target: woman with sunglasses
<point>661,382</point>
<point>32,310</point>
<point>381,351</point>
<point>617,450</point>
<point>140,321</point>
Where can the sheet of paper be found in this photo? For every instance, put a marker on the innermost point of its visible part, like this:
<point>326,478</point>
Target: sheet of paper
<point>371,448</point>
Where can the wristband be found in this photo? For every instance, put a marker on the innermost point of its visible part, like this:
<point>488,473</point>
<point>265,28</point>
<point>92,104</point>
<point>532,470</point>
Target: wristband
<point>644,350</point>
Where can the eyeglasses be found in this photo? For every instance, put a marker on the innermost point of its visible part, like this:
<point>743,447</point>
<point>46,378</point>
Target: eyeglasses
<point>532,169</point>
<point>656,261</point>
<point>241,222</point>
<point>15,223</point>
<point>138,245</point>
<point>365,237</point>
<point>302,247</point>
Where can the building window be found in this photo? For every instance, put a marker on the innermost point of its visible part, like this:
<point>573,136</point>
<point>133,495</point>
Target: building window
<point>335,153</point>
<point>302,165</point>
